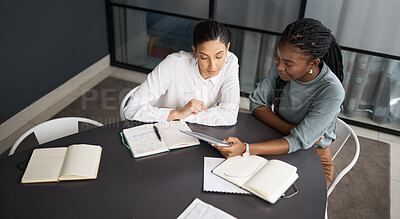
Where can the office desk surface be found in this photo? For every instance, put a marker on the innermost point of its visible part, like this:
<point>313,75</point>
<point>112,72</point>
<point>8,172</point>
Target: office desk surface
<point>158,186</point>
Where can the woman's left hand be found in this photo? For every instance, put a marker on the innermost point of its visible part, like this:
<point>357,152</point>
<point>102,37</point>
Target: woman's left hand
<point>237,147</point>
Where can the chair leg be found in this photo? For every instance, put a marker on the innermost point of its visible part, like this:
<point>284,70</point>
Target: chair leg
<point>326,208</point>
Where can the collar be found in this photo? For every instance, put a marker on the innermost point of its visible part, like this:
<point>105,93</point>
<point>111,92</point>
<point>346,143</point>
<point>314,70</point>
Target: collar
<point>213,80</point>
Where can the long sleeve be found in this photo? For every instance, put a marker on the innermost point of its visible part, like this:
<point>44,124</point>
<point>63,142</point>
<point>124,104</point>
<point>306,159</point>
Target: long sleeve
<point>313,106</point>
<point>226,111</point>
<point>319,121</point>
<point>141,104</point>
<point>264,93</point>
<point>176,80</point>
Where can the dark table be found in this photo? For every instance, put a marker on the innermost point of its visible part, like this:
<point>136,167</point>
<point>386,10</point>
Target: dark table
<point>158,186</point>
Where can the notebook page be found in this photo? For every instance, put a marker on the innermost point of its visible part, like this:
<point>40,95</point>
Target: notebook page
<point>214,183</point>
<point>81,162</point>
<point>44,165</point>
<point>143,140</point>
<point>172,137</point>
<point>271,179</point>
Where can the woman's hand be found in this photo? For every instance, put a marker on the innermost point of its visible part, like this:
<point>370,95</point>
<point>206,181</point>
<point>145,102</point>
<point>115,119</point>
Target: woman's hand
<point>237,147</point>
<point>191,108</point>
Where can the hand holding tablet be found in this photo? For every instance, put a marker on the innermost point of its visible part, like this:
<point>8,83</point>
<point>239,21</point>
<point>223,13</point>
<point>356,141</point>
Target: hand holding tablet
<point>206,138</point>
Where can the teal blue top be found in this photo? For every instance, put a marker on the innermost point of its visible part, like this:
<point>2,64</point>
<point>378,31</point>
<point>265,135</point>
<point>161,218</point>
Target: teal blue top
<point>313,106</point>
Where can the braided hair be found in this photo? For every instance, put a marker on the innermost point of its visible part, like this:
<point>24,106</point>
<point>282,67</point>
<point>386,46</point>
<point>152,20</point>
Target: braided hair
<point>315,41</point>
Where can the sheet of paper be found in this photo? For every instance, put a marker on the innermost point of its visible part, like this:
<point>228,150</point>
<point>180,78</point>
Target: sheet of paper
<point>214,183</point>
<point>201,210</point>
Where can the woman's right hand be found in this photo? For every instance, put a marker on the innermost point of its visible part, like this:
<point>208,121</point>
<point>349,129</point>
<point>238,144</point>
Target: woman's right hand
<point>193,107</point>
<point>237,147</point>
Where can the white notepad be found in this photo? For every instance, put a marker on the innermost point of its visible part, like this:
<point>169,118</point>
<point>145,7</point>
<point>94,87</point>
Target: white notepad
<point>201,210</point>
<point>214,183</point>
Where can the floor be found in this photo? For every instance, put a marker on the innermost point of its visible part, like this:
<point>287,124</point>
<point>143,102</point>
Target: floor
<point>94,95</point>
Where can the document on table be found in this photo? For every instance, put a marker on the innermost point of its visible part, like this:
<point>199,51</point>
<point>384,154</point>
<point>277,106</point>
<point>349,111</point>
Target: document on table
<point>201,210</point>
<point>214,183</point>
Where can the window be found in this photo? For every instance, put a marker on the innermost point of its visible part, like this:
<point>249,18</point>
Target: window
<point>145,32</point>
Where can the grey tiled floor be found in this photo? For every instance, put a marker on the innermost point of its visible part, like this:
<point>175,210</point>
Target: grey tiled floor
<point>101,103</point>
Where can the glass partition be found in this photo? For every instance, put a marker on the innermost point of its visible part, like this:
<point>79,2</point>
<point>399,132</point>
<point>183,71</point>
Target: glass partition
<point>269,15</point>
<point>197,8</point>
<point>142,38</point>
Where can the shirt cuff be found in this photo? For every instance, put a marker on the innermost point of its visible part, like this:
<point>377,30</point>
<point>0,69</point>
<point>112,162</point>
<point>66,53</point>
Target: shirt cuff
<point>196,118</point>
<point>292,144</point>
<point>162,114</point>
<point>254,105</point>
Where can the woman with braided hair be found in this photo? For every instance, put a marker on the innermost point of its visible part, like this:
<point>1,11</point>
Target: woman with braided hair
<point>304,86</point>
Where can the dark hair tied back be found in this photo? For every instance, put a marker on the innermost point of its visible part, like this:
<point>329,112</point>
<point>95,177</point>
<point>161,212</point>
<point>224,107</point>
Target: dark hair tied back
<point>209,30</point>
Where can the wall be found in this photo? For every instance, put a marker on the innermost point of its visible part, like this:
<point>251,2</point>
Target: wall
<point>43,44</point>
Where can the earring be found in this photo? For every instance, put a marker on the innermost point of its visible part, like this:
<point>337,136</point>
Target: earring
<point>310,72</point>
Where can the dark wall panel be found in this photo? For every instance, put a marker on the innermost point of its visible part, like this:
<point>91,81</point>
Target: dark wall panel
<point>43,44</point>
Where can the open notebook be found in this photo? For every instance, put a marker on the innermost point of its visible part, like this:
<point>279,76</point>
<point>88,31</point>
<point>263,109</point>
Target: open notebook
<point>143,140</point>
<point>267,179</point>
<point>76,162</point>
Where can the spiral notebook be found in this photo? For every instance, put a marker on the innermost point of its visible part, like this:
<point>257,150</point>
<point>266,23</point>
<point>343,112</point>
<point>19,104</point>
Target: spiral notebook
<point>214,183</point>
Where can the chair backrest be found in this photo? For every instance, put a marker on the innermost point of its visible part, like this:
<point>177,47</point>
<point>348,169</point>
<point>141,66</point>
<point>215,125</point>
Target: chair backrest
<point>54,129</point>
<point>343,132</point>
<point>123,103</point>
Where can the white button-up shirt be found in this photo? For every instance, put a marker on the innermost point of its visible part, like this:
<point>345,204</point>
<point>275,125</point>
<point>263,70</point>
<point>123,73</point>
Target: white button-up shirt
<point>177,80</point>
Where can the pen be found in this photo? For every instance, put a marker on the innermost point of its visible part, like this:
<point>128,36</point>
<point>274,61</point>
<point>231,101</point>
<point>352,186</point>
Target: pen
<point>157,132</point>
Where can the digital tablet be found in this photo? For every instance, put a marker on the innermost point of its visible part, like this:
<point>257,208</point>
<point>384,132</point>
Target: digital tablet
<point>206,138</point>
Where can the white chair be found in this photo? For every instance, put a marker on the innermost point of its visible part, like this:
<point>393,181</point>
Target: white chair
<point>54,129</point>
<point>123,103</point>
<point>343,132</point>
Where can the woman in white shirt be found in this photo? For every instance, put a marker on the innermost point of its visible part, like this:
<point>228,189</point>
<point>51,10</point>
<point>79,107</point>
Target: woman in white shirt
<point>198,87</point>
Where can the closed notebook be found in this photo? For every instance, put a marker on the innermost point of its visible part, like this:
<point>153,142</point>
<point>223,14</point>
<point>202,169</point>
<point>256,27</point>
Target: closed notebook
<point>143,140</point>
<point>266,179</point>
<point>75,162</point>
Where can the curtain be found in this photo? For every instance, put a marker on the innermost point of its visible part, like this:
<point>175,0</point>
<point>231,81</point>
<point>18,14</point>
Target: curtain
<point>372,85</point>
